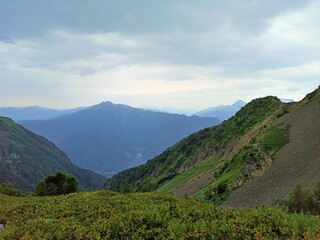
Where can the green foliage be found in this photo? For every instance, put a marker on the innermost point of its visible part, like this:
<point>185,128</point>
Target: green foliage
<point>282,112</point>
<point>227,174</point>
<point>57,184</point>
<point>311,96</point>
<point>109,215</point>
<point>274,138</point>
<point>149,187</point>
<point>126,188</point>
<point>9,189</point>
<point>222,187</point>
<point>303,200</point>
<point>248,116</point>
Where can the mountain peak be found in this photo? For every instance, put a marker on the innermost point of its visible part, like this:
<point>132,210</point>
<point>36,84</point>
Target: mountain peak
<point>108,104</point>
<point>239,103</point>
<point>105,103</point>
<point>111,137</point>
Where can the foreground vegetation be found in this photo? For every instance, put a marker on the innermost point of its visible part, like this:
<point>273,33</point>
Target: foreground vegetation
<point>110,215</point>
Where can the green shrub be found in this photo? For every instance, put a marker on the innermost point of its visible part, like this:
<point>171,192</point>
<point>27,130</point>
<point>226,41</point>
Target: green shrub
<point>9,189</point>
<point>222,187</point>
<point>304,200</point>
<point>126,188</point>
<point>57,184</point>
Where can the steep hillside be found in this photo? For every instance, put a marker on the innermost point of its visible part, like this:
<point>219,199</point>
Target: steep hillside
<point>222,112</point>
<point>270,145</point>
<point>108,138</point>
<point>206,154</point>
<point>26,158</point>
<point>296,163</point>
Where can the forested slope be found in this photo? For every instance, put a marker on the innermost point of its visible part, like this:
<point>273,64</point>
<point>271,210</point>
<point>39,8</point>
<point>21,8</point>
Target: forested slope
<point>26,158</point>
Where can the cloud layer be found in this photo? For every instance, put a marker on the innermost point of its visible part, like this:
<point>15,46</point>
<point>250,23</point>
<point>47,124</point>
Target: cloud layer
<point>193,54</point>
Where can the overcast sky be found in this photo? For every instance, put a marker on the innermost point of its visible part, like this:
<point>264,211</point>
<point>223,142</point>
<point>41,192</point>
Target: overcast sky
<point>189,54</point>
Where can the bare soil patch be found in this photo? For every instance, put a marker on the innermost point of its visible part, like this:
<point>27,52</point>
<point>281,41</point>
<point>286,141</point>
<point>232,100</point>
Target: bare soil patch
<point>298,162</point>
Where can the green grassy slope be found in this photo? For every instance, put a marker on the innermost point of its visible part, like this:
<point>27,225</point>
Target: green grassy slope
<point>26,158</point>
<point>109,215</point>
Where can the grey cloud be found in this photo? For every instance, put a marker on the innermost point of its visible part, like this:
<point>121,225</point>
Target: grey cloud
<point>218,41</point>
<point>171,31</point>
<point>35,17</point>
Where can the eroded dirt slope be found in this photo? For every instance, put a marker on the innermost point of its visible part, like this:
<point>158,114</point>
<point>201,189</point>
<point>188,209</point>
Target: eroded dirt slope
<point>296,163</point>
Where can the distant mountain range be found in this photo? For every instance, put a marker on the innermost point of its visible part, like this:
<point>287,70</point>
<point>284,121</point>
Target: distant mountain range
<point>108,138</point>
<point>34,112</point>
<point>222,112</point>
<point>26,158</point>
<point>187,112</point>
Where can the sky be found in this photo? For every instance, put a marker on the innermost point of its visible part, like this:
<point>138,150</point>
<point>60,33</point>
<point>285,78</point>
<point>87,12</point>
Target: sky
<point>186,54</point>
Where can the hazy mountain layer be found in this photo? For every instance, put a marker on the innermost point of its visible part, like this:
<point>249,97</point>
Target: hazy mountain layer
<point>33,113</point>
<point>26,158</point>
<point>222,112</point>
<point>108,138</point>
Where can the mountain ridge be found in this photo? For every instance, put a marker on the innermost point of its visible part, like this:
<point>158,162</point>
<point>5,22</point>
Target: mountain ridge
<point>232,154</point>
<point>110,137</point>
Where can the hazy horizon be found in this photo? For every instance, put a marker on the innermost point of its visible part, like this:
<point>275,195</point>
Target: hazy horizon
<point>185,55</point>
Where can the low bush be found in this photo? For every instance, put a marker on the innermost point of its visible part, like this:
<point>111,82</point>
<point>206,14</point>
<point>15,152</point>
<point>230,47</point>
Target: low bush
<point>9,189</point>
<point>303,200</point>
<point>57,184</point>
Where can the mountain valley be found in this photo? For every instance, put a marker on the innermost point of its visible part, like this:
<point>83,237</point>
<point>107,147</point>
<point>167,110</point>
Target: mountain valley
<point>108,138</point>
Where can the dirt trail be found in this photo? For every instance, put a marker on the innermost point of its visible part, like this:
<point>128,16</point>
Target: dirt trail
<point>298,162</point>
<point>193,186</point>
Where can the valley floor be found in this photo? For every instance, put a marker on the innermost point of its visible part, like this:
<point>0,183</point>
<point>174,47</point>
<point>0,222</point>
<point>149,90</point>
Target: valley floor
<point>110,215</point>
